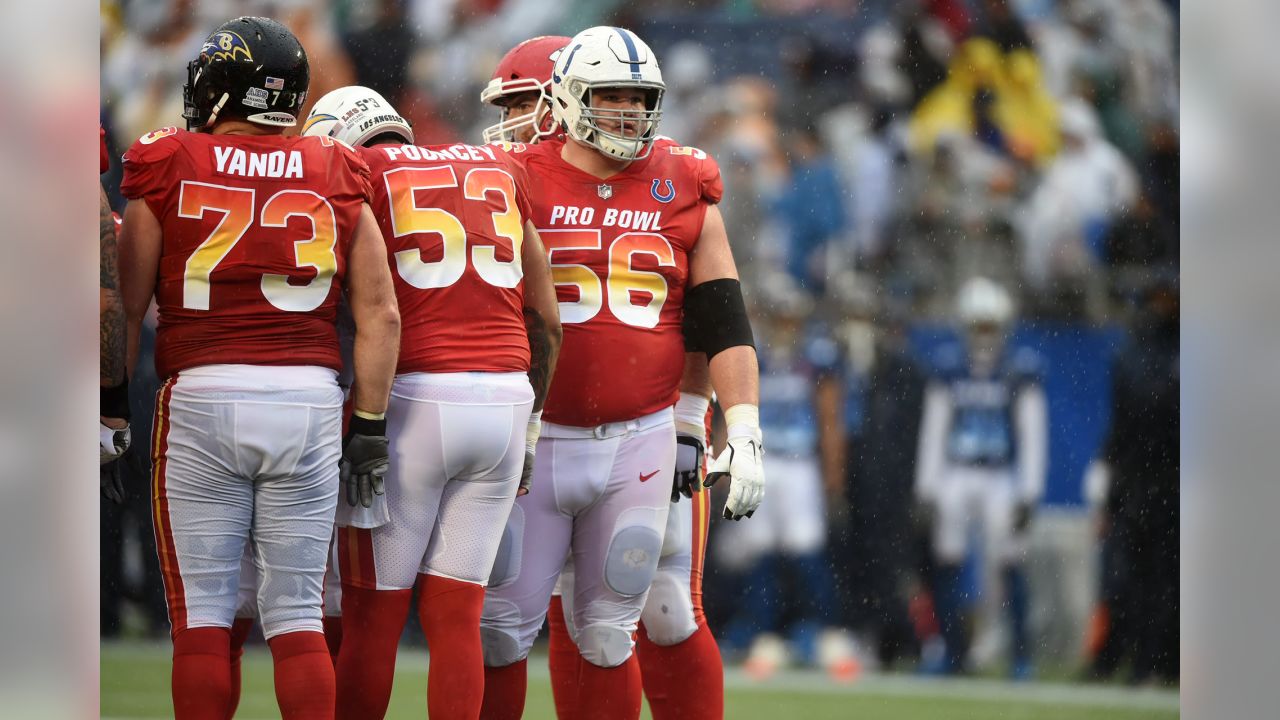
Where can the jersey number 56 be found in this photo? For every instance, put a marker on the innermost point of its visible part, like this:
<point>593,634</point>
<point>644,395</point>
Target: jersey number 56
<point>635,296</point>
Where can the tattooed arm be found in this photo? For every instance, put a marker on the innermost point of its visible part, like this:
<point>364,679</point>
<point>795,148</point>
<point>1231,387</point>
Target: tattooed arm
<point>110,306</point>
<point>542,323</point>
<point>541,316</point>
<point>113,401</point>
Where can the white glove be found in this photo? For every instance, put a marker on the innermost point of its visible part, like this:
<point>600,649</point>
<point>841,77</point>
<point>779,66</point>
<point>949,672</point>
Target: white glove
<point>743,461</point>
<point>112,442</point>
<point>531,435</point>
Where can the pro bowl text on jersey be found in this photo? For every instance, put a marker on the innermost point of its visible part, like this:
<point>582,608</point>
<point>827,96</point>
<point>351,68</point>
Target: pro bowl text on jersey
<point>611,217</point>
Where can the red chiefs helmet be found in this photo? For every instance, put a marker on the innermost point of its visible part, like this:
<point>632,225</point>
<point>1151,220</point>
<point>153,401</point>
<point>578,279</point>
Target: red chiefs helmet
<point>525,68</point>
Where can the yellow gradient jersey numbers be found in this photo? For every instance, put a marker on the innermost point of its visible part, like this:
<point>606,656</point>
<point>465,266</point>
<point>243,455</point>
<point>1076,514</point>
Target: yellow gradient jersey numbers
<point>572,279</point>
<point>635,296</point>
<point>488,185</point>
<point>236,206</point>
<point>314,252</point>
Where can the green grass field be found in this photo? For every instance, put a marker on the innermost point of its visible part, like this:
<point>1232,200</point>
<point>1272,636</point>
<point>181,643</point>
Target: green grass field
<point>135,684</point>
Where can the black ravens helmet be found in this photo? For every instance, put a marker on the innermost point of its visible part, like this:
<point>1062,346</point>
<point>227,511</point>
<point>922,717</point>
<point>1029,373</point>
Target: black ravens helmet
<point>251,68</point>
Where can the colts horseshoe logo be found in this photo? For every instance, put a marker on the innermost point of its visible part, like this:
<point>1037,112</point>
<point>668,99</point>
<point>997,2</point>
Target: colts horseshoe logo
<point>664,197</point>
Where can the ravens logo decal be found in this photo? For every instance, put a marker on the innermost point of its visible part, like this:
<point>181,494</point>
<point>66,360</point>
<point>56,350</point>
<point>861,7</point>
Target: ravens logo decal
<point>226,45</point>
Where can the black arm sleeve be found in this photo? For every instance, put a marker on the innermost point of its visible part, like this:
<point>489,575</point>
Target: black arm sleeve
<point>715,317</point>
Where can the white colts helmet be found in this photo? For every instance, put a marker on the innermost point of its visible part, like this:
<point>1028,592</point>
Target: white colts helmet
<point>354,115</point>
<point>607,57</point>
<point>983,301</point>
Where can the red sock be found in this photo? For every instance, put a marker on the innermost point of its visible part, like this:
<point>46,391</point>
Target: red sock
<point>450,614</point>
<point>304,675</point>
<point>367,660</point>
<point>609,693</point>
<point>201,673</point>
<point>333,636</point>
<point>684,681</point>
<point>239,633</point>
<point>563,659</point>
<point>504,690</point>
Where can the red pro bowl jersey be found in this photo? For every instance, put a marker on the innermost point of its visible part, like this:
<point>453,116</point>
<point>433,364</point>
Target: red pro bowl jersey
<point>619,251</point>
<point>256,231</point>
<point>453,218</point>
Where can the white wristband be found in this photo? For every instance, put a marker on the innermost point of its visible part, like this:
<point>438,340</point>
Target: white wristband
<point>533,431</point>
<point>743,420</point>
<point>691,414</point>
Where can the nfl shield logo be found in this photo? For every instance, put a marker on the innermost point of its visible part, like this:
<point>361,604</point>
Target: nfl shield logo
<point>604,191</point>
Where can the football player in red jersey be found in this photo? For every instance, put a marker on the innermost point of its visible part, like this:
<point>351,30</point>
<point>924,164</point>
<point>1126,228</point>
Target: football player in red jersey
<point>638,249</point>
<point>519,89</point>
<point>681,669</point>
<point>477,350</point>
<point>246,239</point>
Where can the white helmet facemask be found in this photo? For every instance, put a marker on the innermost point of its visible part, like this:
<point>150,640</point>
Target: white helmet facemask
<point>505,130</point>
<point>603,58</point>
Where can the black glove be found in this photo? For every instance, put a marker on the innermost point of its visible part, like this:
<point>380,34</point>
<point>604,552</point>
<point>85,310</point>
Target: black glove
<point>688,475</point>
<point>365,458</point>
<point>112,482</point>
<point>1022,517</point>
<point>526,475</point>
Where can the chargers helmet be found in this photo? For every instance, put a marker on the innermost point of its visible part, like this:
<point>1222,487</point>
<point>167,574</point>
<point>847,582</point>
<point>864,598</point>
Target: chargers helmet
<point>607,57</point>
<point>356,115</point>
<point>251,68</point>
<point>525,68</point>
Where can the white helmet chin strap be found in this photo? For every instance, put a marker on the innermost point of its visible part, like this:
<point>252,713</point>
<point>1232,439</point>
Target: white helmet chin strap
<point>213,116</point>
<point>618,146</point>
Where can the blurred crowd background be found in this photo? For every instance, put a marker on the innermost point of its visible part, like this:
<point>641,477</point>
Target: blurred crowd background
<point>877,156</point>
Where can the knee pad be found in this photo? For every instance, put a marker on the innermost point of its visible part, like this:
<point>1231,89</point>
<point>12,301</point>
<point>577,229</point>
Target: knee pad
<point>632,560</point>
<point>500,647</point>
<point>668,611</point>
<point>604,645</point>
<point>506,566</point>
<point>501,630</point>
